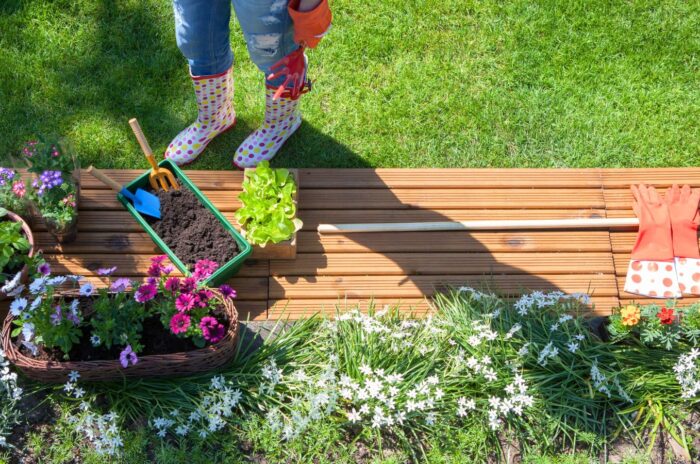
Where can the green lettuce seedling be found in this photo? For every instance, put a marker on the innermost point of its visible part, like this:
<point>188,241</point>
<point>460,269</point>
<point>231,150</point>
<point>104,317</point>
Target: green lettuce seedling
<point>268,210</point>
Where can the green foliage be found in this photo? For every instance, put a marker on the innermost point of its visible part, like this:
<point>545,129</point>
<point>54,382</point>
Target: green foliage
<point>14,247</point>
<point>650,331</point>
<point>268,210</point>
<point>117,320</point>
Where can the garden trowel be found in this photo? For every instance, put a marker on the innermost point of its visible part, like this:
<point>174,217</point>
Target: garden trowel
<point>144,202</point>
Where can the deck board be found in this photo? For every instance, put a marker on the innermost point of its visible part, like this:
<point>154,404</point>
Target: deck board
<point>405,268</point>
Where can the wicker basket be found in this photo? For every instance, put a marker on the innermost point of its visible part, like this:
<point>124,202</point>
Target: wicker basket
<point>161,365</point>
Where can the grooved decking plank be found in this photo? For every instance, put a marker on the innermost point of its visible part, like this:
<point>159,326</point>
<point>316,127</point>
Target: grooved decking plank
<point>117,221</point>
<point>339,199</point>
<point>93,199</point>
<point>100,242</point>
<point>449,178</point>
<point>204,180</point>
<point>623,242</point>
<point>129,265</point>
<point>442,264</point>
<point>413,286</point>
<point>458,241</point>
<point>659,177</point>
<point>312,218</point>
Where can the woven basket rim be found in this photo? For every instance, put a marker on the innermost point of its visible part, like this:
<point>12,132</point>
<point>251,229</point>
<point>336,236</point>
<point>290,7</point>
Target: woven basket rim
<point>108,366</point>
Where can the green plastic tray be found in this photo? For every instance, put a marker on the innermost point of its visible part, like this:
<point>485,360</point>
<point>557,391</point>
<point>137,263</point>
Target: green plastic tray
<point>224,272</point>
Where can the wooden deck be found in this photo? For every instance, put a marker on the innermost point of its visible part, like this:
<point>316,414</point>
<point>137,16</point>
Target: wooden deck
<point>405,267</point>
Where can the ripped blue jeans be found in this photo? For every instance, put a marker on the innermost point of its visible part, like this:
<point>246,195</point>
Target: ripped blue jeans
<point>202,31</point>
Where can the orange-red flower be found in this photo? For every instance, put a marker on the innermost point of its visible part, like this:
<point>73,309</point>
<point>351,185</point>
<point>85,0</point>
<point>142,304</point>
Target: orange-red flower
<point>666,316</point>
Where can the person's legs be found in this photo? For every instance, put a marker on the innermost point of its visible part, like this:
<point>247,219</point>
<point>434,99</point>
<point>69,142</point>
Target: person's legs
<point>202,32</point>
<point>269,35</point>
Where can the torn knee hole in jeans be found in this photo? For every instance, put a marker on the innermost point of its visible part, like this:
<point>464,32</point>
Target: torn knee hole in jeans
<point>265,44</point>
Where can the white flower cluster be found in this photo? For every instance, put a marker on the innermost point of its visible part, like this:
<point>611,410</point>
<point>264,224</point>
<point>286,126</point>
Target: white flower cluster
<point>272,375</point>
<point>482,331</point>
<point>600,381</point>
<point>99,429</point>
<point>8,380</point>
<point>515,402</point>
<point>688,374</point>
<point>311,399</point>
<point>211,415</point>
<point>10,394</point>
<point>548,352</point>
<point>384,400</point>
<point>545,300</point>
<point>483,367</point>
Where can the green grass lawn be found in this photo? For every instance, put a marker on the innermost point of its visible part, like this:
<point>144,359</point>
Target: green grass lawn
<point>424,83</point>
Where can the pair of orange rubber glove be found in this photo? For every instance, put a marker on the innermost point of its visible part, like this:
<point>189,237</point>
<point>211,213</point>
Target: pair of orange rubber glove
<point>309,27</point>
<point>665,259</point>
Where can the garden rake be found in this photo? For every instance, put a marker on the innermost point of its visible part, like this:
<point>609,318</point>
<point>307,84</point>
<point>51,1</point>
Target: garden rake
<point>159,177</point>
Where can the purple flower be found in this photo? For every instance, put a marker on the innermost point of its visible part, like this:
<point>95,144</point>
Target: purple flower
<point>87,289</point>
<point>120,285</point>
<point>185,302</point>
<point>172,284</point>
<point>151,280</point>
<point>128,356</point>
<point>227,291</point>
<point>105,271</point>
<point>73,317</point>
<point>212,330</point>
<point>146,293</point>
<point>6,175</point>
<point>47,181</point>
<point>156,269</point>
<point>204,268</point>
<point>44,269</point>
<point>57,316</point>
<point>188,285</point>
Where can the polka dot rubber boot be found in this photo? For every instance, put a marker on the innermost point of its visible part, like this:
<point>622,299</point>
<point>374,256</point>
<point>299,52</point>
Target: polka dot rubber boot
<point>215,115</point>
<point>654,279</point>
<point>282,118</point>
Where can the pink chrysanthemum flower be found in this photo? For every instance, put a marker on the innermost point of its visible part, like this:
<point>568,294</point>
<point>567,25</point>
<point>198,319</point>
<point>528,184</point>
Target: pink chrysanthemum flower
<point>179,323</point>
<point>185,302</point>
<point>189,284</point>
<point>19,189</point>
<point>204,268</point>
<point>172,284</point>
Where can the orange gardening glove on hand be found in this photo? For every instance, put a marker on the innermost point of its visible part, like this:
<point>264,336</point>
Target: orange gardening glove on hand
<point>652,270</point>
<point>310,26</point>
<point>683,208</point>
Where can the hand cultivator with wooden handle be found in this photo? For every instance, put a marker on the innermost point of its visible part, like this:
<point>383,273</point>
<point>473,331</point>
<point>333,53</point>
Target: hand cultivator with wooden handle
<point>159,177</point>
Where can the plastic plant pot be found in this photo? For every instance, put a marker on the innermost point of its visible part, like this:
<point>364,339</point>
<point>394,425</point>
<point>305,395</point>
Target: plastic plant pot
<point>224,272</point>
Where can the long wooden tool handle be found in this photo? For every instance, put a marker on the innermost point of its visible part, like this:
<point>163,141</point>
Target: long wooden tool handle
<point>104,179</point>
<point>136,127</point>
<point>583,223</point>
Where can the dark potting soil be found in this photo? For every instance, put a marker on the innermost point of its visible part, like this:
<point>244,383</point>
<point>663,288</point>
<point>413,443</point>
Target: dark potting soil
<point>191,230</point>
<point>155,339</point>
